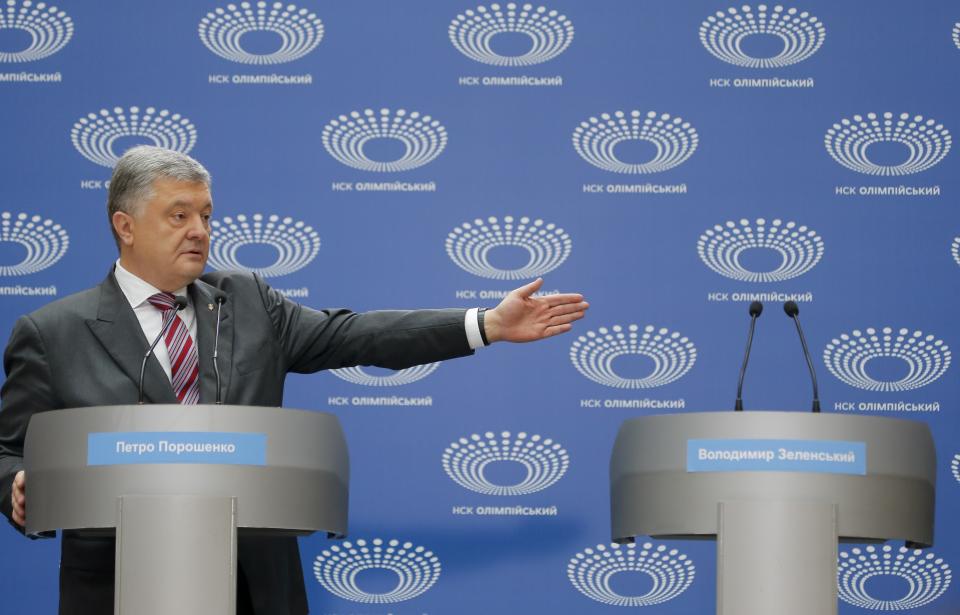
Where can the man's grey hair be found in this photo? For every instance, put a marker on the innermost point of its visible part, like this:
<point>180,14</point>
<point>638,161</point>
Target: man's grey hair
<point>131,185</point>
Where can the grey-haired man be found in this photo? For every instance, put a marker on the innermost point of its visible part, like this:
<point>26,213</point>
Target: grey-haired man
<point>85,349</point>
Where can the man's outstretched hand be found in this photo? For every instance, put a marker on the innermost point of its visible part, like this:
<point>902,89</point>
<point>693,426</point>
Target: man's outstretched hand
<point>521,317</point>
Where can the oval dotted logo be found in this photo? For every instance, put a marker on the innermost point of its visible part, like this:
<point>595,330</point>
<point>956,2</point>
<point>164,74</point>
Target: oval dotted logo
<point>591,570</point>
<point>356,375</point>
<point>296,243</point>
<point>472,31</point>
<point>593,354</point>
<point>50,29</point>
<point>470,246</point>
<point>544,460</point>
<point>927,576</point>
<point>299,30</point>
<point>44,241</point>
<point>847,357</point>
<point>848,142</point>
<point>722,247</point>
<point>95,134</point>
<point>422,136</point>
<point>596,139</point>
<point>417,569</point>
<point>723,34</point>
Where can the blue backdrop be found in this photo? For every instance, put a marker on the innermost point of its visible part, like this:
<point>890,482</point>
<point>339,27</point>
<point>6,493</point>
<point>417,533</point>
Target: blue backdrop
<point>671,160</point>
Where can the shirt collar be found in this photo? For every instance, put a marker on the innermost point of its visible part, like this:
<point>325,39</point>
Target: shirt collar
<point>136,290</point>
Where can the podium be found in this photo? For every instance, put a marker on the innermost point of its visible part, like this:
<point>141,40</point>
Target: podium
<point>176,484</point>
<point>778,491</point>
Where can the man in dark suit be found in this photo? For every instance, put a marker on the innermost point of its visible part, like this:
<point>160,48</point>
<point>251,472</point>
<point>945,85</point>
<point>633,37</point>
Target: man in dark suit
<point>86,350</point>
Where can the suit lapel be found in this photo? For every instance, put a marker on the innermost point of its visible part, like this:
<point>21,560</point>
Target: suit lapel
<point>121,335</point>
<point>205,308</point>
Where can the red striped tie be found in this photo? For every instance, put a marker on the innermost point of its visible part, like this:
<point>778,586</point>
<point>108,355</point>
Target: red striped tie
<point>184,364</point>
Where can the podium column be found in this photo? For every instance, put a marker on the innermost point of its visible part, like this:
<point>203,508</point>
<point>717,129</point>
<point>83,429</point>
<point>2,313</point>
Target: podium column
<point>176,554</point>
<point>776,557</point>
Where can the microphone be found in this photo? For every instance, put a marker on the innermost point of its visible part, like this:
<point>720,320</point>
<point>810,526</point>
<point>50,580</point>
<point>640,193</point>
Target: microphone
<point>793,312</point>
<point>179,303</point>
<point>756,308</point>
<point>219,298</point>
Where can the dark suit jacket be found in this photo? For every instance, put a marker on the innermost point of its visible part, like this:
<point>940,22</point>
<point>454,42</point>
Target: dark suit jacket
<point>86,350</point>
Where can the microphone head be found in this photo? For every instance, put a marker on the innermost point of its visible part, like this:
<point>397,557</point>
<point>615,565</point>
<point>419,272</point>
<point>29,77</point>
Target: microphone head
<point>180,302</point>
<point>756,308</point>
<point>790,307</point>
<point>219,297</point>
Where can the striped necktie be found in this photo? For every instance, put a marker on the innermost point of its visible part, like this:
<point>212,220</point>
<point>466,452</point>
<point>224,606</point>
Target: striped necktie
<point>184,363</point>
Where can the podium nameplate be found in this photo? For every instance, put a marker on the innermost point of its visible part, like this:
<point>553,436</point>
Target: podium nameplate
<point>777,455</point>
<point>136,447</point>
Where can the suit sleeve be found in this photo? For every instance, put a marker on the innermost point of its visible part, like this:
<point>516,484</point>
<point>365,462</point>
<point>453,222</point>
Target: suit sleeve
<point>314,340</point>
<point>26,390</point>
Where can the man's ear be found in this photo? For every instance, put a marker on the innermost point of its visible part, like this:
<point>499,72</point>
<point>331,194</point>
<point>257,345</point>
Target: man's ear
<point>123,224</point>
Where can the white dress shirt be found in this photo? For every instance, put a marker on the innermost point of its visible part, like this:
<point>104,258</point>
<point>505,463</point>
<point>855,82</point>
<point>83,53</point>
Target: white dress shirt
<point>151,319</point>
<point>471,324</point>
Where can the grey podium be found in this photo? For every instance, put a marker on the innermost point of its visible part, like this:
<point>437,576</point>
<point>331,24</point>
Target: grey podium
<point>177,483</point>
<point>778,491</point>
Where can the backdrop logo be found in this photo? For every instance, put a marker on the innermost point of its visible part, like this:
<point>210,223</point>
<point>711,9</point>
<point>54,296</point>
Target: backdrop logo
<point>296,244</point>
<point>590,572</point>
<point>299,30</point>
<point>45,242</point>
<point>593,354</point>
<point>50,29</point>
<point>416,568</point>
<point>723,34</point>
<point>722,247</point>
<point>926,357</point>
<point>550,33</point>
<point>927,575</point>
<point>469,246</point>
<point>544,460</point>
<point>597,138</point>
<point>955,249</point>
<point>955,467</point>
<point>849,142</point>
<point>95,134</point>
<point>423,137</point>
<point>956,34</point>
<point>356,375</point>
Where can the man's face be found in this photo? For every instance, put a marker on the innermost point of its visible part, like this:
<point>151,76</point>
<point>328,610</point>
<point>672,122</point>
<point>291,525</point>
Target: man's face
<point>167,242</point>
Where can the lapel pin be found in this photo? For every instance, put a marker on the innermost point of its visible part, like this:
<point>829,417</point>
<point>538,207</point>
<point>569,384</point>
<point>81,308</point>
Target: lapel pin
<point>210,306</point>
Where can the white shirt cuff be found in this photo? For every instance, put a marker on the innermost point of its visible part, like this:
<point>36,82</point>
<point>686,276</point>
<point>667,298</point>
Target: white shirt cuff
<point>471,323</point>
